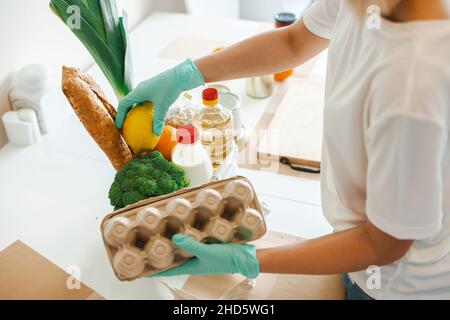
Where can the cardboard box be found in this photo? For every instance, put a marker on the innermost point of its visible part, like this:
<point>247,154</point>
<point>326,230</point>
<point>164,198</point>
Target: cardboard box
<point>27,275</point>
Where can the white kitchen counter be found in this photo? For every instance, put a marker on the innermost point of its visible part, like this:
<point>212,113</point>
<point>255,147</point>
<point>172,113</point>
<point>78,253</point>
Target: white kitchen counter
<point>53,195</point>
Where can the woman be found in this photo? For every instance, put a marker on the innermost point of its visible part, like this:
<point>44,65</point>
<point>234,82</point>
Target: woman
<point>386,153</point>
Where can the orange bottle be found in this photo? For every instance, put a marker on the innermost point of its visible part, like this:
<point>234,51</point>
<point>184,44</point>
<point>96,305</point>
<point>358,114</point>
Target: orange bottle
<point>284,19</point>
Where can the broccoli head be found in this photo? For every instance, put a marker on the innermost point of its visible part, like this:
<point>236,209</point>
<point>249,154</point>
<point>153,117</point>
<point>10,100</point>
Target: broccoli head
<point>132,197</point>
<point>153,155</point>
<point>143,177</point>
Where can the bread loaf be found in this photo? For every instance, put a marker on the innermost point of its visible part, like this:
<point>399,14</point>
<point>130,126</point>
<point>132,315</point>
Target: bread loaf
<point>96,114</point>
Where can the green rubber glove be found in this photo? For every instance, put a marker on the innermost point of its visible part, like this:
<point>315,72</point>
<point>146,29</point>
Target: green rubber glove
<point>214,259</point>
<point>162,90</point>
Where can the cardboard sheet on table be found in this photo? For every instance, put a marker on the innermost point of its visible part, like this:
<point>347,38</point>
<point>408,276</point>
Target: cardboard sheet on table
<point>270,286</point>
<point>198,40</point>
<point>224,29</point>
<point>187,46</point>
<point>25,274</point>
<point>304,71</point>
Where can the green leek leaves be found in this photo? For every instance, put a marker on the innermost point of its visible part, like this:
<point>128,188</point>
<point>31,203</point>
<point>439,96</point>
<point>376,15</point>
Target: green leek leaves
<point>104,34</point>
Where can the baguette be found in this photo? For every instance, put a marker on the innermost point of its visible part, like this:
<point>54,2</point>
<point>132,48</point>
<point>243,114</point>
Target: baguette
<point>99,92</point>
<point>96,114</point>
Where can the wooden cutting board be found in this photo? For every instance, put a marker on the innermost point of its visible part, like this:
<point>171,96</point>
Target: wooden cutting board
<point>295,124</point>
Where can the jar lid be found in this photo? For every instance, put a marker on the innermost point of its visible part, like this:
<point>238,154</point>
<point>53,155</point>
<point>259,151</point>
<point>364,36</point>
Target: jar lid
<point>187,134</point>
<point>286,18</point>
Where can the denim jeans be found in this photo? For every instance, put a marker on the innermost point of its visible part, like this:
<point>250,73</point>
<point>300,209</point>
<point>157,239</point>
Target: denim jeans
<point>354,292</point>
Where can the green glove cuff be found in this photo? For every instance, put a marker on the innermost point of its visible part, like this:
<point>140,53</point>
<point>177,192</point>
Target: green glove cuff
<point>247,264</point>
<point>188,76</point>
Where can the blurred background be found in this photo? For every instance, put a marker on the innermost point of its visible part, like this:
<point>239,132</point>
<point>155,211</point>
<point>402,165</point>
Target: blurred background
<point>31,34</point>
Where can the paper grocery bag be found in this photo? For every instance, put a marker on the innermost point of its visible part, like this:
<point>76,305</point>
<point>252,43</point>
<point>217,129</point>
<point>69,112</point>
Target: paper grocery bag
<point>266,286</point>
<point>27,275</point>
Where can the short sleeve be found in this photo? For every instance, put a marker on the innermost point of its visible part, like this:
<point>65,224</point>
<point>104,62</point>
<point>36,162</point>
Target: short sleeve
<point>405,175</point>
<point>321,16</point>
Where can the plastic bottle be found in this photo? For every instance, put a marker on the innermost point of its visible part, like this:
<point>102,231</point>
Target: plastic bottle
<point>190,155</point>
<point>216,124</point>
<point>182,112</point>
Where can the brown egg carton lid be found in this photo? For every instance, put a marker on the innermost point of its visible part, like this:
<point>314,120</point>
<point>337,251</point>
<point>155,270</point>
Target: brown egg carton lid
<point>134,254</point>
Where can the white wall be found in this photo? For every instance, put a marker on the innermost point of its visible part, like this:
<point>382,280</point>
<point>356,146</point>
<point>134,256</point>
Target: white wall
<point>31,33</point>
<point>217,8</point>
<point>259,10</point>
<point>264,10</point>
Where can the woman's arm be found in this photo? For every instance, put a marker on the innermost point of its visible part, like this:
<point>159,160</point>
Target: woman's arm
<point>341,252</point>
<point>267,53</point>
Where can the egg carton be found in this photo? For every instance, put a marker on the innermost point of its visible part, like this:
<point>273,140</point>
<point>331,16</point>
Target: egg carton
<point>138,238</point>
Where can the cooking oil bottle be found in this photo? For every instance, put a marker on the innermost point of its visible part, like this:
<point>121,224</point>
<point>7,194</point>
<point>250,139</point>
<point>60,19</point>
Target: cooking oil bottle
<point>216,124</point>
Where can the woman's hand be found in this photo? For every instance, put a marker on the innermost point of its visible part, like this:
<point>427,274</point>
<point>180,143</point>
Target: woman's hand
<point>162,91</point>
<point>214,259</point>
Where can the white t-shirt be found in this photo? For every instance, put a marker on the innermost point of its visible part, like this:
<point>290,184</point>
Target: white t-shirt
<point>386,148</point>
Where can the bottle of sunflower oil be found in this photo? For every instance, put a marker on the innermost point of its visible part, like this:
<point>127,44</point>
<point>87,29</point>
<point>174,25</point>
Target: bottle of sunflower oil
<point>216,124</point>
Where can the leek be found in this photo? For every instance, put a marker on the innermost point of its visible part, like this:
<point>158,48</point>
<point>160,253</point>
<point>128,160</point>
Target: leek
<point>104,34</point>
